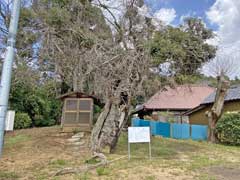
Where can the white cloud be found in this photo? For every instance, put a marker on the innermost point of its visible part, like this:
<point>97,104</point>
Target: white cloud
<point>226,13</point>
<point>189,14</point>
<point>118,9</point>
<point>165,15</point>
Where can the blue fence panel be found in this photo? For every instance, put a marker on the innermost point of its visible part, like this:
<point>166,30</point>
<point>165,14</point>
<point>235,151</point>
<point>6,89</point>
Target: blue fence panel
<point>163,129</point>
<point>199,132</point>
<point>140,123</point>
<point>180,131</point>
<point>136,122</point>
<point>176,131</point>
<point>145,123</point>
<point>153,128</point>
<point>185,131</point>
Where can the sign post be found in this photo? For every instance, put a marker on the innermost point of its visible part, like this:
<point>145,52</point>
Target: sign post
<point>139,135</point>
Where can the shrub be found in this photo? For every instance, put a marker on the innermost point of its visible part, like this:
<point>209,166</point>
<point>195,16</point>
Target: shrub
<point>22,120</point>
<point>38,101</point>
<point>228,128</point>
<point>40,121</point>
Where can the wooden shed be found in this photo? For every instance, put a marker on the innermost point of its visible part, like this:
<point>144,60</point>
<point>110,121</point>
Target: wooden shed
<point>77,111</point>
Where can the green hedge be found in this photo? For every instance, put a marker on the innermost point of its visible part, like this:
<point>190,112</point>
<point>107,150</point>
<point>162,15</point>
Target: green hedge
<point>22,120</point>
<point>228,129</point>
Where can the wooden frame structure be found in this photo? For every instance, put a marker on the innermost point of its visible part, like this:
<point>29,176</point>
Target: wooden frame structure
<point>77,112</point>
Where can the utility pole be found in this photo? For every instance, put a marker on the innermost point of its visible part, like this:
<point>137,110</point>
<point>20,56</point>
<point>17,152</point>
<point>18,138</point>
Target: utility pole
<point>7,69</point>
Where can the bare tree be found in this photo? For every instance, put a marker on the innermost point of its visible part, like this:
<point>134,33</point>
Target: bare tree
<point>217,109</point>
<point>223,63</point>
<point>222,66</point>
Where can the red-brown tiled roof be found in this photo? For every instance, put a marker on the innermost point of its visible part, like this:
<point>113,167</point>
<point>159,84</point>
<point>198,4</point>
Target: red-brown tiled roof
<point>180,98</point>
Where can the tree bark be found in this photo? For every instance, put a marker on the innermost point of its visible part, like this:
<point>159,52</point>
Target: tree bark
<point>217,109</point>
<point>108,127</point>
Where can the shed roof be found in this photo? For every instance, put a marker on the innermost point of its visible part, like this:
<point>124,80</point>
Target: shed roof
<point>79,94</point>
<point>233,93</point>
<point>181,97</point>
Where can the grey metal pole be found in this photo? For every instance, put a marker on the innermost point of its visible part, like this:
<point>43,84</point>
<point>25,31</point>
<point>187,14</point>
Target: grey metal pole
<point>7,69</point>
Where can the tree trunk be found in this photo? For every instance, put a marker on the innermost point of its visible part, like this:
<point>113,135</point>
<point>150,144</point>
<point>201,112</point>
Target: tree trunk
<point>217,109</point>
<point>108,127</point>
<point>212,124</point>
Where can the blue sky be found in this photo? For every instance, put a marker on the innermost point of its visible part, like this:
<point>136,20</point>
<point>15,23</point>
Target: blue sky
<point>196,8</point>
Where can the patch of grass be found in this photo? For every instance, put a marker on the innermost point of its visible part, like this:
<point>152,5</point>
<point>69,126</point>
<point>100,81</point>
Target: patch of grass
<point>55,178</point>
<point>84,176</point>
<point>150,178</point>
<point>92,161</point>
<point>202,161</point>
<point>101,171</point>
<point>206,177</point>
<point>41,176</point>
<point>13,140</point>
<point>188,155</point>
<point>59,162</point>
<point>161,147</point>
<point>8,175</point>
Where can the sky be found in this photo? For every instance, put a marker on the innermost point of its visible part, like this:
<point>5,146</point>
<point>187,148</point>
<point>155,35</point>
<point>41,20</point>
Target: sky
<point>222,16</point>
<point>182,8</point>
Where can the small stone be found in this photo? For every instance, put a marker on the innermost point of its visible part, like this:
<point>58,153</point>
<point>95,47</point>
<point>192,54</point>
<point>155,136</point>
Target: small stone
<point>79,143</point>
<point>73,139</point>
<point>78,135</point>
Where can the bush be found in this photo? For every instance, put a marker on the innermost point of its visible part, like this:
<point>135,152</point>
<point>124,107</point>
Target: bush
<point>228,129</point>
<point>40,121</point>
<point>38,101</point>
<point>22,120</point>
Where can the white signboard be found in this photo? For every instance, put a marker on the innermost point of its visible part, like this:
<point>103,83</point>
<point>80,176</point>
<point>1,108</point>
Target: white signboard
<point>9,122</point>
<point>138,134</point>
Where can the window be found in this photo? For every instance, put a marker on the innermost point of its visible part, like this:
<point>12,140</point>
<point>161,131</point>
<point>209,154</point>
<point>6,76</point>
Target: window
<point>84,117</point>
<point>70,117</point>
<point>71,105</point>
<point>84,105</point>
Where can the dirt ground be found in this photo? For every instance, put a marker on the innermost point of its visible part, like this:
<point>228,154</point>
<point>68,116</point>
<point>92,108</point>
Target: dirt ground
<point>39,153</point>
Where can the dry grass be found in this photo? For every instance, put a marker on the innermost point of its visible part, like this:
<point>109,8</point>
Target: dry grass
<point>38,153</point>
